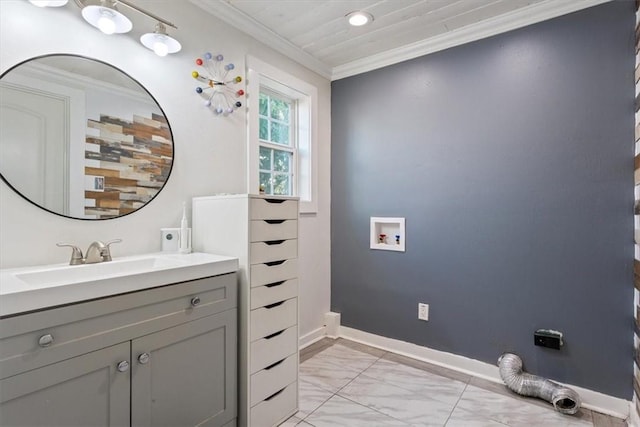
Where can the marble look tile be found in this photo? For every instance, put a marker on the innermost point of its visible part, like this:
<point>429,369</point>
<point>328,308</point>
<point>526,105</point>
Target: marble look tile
<point>501,389</point>
<point>415,408</point>
<point>341,355</point>
<point>315,348</point>
<point>429,367</point>
<point>340,412</point>
<point>416,380</point>
<point>326,375</point>
<point>462,418</point>
<point>310,398</point>
<point>514,412</point>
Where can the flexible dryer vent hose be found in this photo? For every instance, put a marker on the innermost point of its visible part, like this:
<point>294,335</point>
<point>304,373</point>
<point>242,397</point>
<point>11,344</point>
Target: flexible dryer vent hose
<point>564,399</point>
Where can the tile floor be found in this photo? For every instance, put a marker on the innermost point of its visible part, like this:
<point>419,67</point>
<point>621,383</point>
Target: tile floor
<point>343,383</point>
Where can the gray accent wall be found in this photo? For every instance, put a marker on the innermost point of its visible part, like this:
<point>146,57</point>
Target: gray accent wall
<point>511,159</point>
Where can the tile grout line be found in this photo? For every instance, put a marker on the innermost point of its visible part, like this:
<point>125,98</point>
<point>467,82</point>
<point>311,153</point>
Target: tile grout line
<point>374,410</point>
<point>360,404</point>
<point>337,391</point>
<point>456,404</point>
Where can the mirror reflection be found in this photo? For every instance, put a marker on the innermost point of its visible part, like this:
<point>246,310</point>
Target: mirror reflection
<point>80,138</point>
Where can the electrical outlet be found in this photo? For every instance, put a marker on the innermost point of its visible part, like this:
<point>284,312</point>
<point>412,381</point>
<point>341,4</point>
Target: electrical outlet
<point>423,311</point>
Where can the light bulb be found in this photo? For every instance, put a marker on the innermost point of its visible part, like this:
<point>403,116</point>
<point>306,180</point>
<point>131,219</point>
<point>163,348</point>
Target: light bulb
<point>106,23</point>
<point>160,46</point>
<point>160,49</point>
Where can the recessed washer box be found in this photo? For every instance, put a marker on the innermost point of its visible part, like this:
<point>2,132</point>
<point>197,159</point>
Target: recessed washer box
<point>387,234</point>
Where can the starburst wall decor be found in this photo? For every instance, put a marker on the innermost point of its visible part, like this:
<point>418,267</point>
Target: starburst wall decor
<point>218,91</point>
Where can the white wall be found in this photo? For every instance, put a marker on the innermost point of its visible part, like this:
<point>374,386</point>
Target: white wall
<point>210,151</point>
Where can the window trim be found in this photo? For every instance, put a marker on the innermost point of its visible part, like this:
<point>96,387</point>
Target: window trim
<point>291,147</point>
<point>260,74</point>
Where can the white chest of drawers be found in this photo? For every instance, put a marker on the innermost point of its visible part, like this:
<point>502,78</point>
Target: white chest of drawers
<point>262,232</point>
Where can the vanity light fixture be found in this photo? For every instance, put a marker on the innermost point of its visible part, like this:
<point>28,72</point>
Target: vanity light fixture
<point>103,15</point>
<point>160,42</point>
<point>48,3</point>
<point>359,18</point>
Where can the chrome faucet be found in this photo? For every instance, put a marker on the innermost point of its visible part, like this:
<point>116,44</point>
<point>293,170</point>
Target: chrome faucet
<point>97,252</point>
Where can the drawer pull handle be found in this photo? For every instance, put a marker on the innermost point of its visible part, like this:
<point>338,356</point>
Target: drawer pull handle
<point>274,305</point>
<point>123,366</point>
<point>45,340</point>
<point>274,221</point>
<point>274,242</point>
<point>274,200</point>
<point>195,301</point>
<point>272,263</point>
<point>143,359</point>
<point>273,365</point>
<point>274,394</point>
<point>273,335</point>
<point>271,285</point>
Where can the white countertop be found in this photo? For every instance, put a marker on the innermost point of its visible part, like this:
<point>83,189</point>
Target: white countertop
<point>35,288</point>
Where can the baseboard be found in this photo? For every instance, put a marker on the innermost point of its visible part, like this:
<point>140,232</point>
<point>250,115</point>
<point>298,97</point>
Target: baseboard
<point>313,336</point>
<point>593,400</point>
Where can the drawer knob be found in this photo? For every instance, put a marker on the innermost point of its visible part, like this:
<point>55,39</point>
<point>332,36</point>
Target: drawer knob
<point>143,358</point>
<point>45,340</point>
<point>195,301</point>
<point>123,366</point>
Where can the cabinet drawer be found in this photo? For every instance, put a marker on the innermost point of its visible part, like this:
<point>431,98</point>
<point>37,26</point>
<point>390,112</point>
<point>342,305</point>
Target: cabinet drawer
<point>274,250</point>
<point>273,229</point>
<point>274,209</point>
<point>274,292</point>
<point>276,407</point>
<point>273,318</point>
<point>267,351</point>
<point>88,326</point>
<point>263,274</point>
<point>273,378</point>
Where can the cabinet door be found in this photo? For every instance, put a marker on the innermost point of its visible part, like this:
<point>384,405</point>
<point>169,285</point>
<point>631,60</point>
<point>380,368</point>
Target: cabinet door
<point>83,391</point>
<point>186,375</point>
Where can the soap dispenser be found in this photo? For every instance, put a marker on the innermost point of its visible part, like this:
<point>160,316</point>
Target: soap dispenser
<point>185,233</point>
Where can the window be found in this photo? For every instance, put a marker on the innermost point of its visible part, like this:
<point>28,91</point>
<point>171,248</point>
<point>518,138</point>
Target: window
<point>282,129</point>
<point>278,147</point>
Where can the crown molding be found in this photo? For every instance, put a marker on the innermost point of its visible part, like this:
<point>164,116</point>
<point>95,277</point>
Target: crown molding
<point>519,18</point>
<point>235,18</point>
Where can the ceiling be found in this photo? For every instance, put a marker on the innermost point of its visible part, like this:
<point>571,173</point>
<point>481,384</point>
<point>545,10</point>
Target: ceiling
<point>316,33</point>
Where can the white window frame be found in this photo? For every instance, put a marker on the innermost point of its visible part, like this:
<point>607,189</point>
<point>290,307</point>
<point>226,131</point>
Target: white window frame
<point>292,148</point>
<point>261,74</point>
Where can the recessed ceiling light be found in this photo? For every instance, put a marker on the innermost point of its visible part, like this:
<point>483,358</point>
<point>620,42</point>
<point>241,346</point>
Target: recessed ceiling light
<point>358,19</point>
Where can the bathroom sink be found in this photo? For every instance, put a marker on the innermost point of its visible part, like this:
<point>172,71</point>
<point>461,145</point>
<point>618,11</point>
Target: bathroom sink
<point>57,275</point>
<point>35,288</point>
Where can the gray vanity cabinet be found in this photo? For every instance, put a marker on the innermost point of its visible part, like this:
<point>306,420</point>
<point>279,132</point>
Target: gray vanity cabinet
<point>87,390</point>
<point>160,357</point>
<point>178,375</point>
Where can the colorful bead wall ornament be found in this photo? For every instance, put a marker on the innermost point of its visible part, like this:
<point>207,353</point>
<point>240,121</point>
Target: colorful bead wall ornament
<point>219,92</point>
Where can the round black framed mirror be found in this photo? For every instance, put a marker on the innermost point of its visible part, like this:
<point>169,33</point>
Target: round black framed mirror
<point>80,138</point>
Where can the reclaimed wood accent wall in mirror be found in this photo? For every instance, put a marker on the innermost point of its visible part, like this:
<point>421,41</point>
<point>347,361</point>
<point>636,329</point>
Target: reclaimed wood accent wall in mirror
<point>126,163</point>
